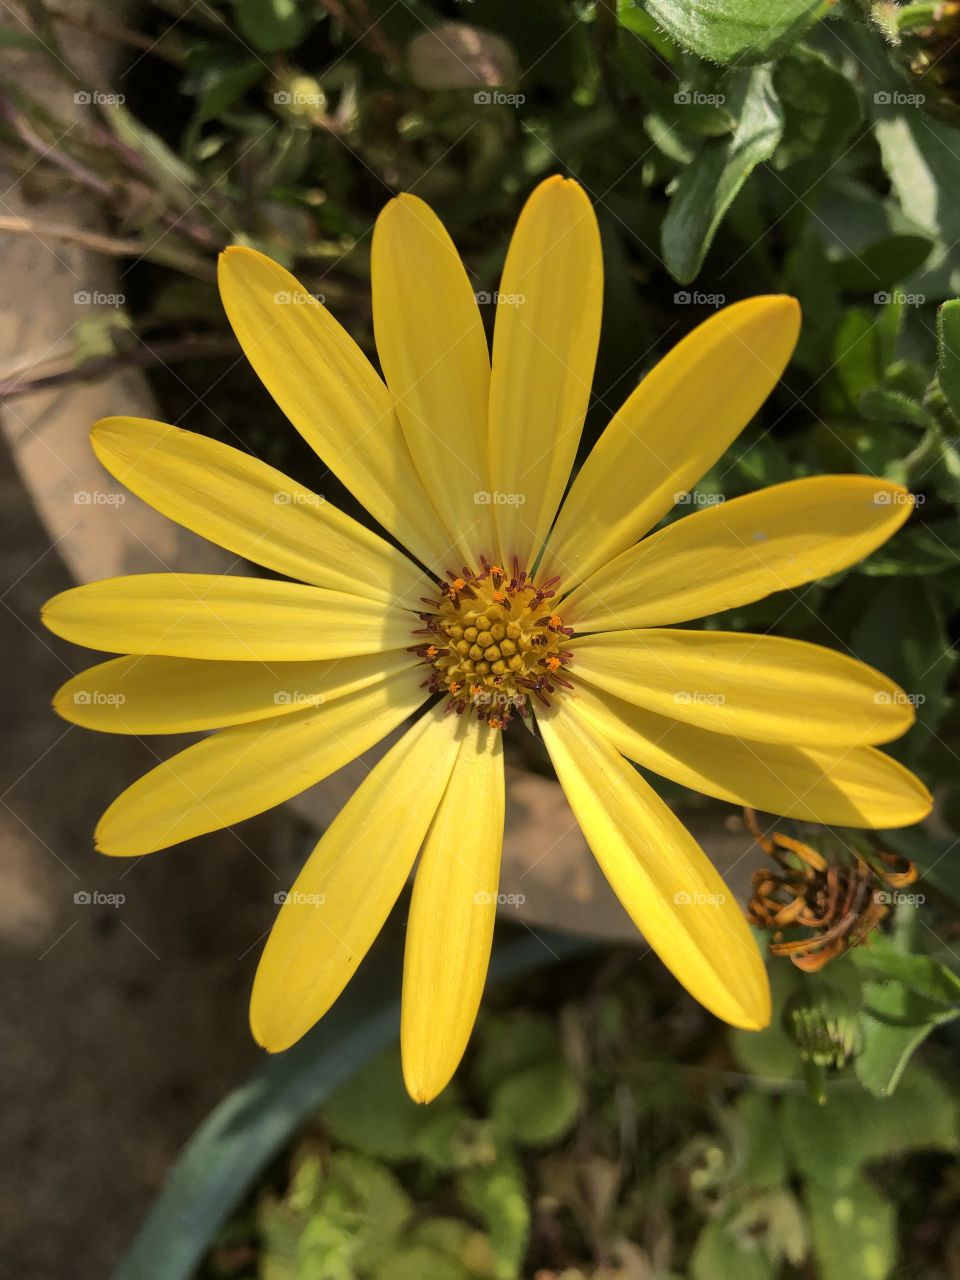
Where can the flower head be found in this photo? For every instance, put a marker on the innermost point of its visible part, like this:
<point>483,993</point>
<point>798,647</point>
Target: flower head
<point>509,608</point>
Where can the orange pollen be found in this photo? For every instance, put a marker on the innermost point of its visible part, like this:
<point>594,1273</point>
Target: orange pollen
<point>490,648</point>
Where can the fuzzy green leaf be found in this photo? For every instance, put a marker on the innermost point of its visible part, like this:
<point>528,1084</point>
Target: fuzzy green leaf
<point>734,30</point>
<point>709,184</point>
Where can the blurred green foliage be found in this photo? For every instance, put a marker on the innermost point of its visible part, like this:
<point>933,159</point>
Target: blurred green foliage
<point>571,1148</point>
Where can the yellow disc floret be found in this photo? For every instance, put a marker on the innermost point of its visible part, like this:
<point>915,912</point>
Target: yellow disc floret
<point>493,643</point>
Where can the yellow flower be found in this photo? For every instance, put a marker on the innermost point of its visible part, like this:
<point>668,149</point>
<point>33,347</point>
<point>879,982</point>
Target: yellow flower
<point>464,461</point>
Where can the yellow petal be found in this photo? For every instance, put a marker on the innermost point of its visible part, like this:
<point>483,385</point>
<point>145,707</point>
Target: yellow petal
<point>343,895</point>
<point>544,348</point>
<point>434,356</point>
<point>330,392</point>
<point>839,786</point>
<point>185,695</point>
<point>672,429</point>
<point>253,510</point>
<point>243,771</point>
<point>740,551</point>
<point>666,883</point>
<point>759,687</point>
<point>450,929</point>
<point>202,615</point>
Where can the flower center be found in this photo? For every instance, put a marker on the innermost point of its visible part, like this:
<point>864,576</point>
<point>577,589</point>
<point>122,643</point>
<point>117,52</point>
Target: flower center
<point>493,643</point>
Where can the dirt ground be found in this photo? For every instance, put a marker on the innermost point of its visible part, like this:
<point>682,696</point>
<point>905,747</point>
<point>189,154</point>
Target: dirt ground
<point>123,1024</point>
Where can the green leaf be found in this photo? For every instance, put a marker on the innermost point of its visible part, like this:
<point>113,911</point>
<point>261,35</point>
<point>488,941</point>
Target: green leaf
<point>419,1261</point>
<point>764,1167</point>
<point>270,25</point>
<point>820,107</point>
<point>916,550</point>
<point>893,406</point>
<point>497,1194</point>
<point>927,977</point>
<point>720,1251</point>
<point>373,1113</point>
<point>734,30</point>
<point>173,177</point>
<point>902,633</point>
<point>894,1023</point>
<point>769,1054</point>
<point>707,187</point>
<point>509,1042</point>
<point>855,353</point>
<point>854,1232</point>
<point>948,354</point>
<point>537,1106</point>
<point>830,1144</point>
